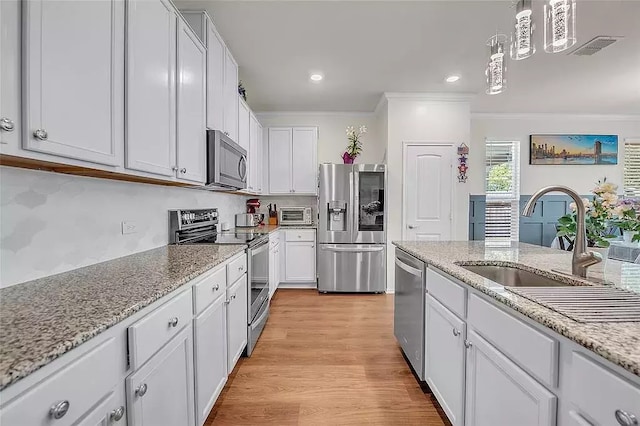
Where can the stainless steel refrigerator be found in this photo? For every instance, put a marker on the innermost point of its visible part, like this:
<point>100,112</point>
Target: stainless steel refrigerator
<point>352,227</point>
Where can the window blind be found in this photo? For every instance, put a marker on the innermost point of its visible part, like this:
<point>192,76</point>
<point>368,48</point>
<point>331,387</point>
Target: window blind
<point>631,172</point>
<point>502,187</point>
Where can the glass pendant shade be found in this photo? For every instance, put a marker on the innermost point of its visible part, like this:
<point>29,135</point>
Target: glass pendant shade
<point>522,45</point>
<point>559,25</point>
<point>497,67</point>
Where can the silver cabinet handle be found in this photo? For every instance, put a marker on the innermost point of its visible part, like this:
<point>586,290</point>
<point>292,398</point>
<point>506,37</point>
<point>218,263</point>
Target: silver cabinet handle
<point>240,268</point>
<point>141,390</point>
<point>41,134</point>
<point>173,322</point>
<point>626,419</point>
<point>59,409</point>
<point>7,124</point>
<point>456,332</point>
<point>226,133</point>
<point>117,414</point>
<point>216,287</point>
<point>174,168</point>
<point>233,296</point>
<point>468,344</point>
<point>411,227</point>
<point>183,170</point>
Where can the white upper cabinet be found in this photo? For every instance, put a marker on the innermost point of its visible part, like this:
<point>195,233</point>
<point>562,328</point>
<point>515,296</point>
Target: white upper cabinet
<point>10,115</point>
<point>215,78</point>
<point>191,106</point>
<point>280,140</point>
<point>230,96</point>
<point>304,165</point>
<point>74,78</point>
<point>260,159</point>
<point>254,154</point>
<point>244,124</point>
<point>151,68</point>
<point>293,165</point>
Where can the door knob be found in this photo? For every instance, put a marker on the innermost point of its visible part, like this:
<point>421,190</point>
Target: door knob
<point>468,344</point>
<point>456,332</point>
<point>173,322</point>
<point>183,170</point>
<point>7,124</point>
<point>41,134</point>
<point>59,409</point>
<point>117,414</point>
<point>141,390</point>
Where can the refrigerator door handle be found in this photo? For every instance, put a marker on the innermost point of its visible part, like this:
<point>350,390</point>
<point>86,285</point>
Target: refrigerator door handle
<point>353,250</point>
<point>350,208</point>
<point>356,205</point>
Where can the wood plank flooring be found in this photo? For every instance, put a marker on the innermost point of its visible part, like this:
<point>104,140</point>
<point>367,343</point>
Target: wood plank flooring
<point>326,360</point>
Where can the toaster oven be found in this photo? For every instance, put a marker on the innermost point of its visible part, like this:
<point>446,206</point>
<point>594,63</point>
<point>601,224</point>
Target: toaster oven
<point>295,216</point>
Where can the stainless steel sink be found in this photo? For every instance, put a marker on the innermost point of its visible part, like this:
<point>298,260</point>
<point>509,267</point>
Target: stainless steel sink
<point>513,277</point>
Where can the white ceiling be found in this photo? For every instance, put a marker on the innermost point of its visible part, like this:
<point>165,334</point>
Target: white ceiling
<point>365,48</point>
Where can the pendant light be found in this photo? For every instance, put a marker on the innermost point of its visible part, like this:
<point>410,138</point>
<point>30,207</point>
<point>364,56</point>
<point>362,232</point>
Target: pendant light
<point>496,68</point>
<point>559,25</point>
<point>522,45</point>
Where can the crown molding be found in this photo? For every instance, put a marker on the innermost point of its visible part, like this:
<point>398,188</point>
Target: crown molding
<point>430,96</point>
<point>549,116</point>
<point>381,104</point>
<point>268,114</point>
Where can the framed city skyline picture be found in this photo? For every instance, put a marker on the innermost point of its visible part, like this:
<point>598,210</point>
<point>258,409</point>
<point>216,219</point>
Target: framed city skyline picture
<point>573,149</point>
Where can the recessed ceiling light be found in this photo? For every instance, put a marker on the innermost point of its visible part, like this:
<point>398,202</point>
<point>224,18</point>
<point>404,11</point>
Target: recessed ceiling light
<point>452,78</point>
<point>316,77</point>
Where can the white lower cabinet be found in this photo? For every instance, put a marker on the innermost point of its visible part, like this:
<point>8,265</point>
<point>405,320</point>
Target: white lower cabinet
<point>236,321</point>
<point>160,393</point>
<point>445,358</point>
<point>210,348</point>
<point>110,411</point>
<point>498,392</point>
<point>300,256</point>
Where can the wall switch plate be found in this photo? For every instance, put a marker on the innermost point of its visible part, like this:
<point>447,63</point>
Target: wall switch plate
<point>129,227</point>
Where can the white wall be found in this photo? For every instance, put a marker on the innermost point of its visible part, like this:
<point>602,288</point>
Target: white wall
<point>520,126</point>
<point>51,223</point>
<point>422,118</point>
<point>332,140</point>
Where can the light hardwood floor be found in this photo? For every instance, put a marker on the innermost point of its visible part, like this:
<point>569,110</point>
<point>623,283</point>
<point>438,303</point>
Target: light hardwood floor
<point>326,360</point>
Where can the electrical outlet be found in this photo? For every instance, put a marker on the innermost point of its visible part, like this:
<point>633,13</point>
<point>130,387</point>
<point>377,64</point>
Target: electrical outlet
<point>129,227</point>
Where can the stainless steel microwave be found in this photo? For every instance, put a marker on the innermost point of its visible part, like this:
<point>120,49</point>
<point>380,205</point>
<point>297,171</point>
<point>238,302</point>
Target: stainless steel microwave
<point>226,162</point>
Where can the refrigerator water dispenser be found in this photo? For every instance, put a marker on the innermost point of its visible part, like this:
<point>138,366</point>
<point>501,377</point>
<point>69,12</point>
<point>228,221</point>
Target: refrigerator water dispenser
<point>337,215</point>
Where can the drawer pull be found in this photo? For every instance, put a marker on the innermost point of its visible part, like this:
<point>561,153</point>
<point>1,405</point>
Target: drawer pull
<point>216,287</point>
<point>456,332</point>
<point>468,344</point>
<point>41,135</point>
<point>117,414</point>
<point>59,409</point>
<point>173,322</point>
<point>141,390</point>
<point>240,268</point>
<point>626,419</point>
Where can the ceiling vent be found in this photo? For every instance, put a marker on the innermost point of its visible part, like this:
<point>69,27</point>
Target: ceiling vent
<point>595,45</point>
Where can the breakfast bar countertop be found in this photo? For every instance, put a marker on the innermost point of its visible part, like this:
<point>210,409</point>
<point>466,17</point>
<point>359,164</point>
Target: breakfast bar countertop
<point>43,319</point>
<point>618,342</point>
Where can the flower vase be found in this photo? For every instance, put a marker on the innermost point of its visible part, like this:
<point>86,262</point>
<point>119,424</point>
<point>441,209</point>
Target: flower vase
<point>600,266</point>
<point>348,159</point>
<point>627,236</point>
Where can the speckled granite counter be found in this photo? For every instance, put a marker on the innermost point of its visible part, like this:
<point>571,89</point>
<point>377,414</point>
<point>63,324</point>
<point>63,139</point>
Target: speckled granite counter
<point>45,318</point>
<point>617,342</point>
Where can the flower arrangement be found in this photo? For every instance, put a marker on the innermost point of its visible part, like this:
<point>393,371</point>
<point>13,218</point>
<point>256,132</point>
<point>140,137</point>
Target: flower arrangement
<point>627,218</point>
<point>355,144</point>
<point>600,212</point>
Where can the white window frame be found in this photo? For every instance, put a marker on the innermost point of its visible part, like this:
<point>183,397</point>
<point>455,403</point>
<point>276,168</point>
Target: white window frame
<point>631,165</point>
<point>503,203</point>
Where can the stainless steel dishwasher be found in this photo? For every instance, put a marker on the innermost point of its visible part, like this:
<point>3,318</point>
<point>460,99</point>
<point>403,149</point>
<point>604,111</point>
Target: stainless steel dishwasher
<point>408,314</point>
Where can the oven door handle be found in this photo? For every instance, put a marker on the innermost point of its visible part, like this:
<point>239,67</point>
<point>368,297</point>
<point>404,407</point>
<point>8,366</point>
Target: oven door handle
<point>262,316</point>
<point>260,248</point>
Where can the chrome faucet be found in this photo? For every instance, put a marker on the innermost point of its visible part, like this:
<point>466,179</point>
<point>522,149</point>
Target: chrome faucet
<point>582,258</point>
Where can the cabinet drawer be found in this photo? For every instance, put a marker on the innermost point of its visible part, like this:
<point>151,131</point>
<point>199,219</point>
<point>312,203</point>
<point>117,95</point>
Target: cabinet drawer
<point>149,334</point>
<point>103,365</point>
<point>450,294</point>
<point>301,235</point>
<point>599,393</point>
<point>534,351</point>
<point>274,238</point>
<point>236,268</point>
<point>209,288</point>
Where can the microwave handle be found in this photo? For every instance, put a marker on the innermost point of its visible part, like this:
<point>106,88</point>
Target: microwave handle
<point>242,168</point>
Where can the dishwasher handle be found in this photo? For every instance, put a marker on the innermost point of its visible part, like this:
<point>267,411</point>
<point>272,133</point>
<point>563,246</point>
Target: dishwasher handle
<point>409,269</point>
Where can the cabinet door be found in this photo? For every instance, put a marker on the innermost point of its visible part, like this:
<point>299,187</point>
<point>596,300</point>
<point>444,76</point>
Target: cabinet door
<point>498,392</point>
<point>304,167</point>
<point>111,411</point>
<point>215,78</point>
<point>259,158</point>
<point>210,348</point>
<point>151,117</point>
<point>10,115</point>
<point>244,124</point>
<point>236,322</point>
<point>230,96</point>
<point>278,262</point>
<point>254,158</point>
<point>74,79</point>
<point>272,270</point>
<point>445,358</point>
<point>280,160</point>
<point>191,106</point>
<point>161,392</point>
<point>300,262</point>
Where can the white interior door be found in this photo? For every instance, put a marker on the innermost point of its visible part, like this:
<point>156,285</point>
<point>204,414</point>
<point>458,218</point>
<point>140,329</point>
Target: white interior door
<point>428,197</point>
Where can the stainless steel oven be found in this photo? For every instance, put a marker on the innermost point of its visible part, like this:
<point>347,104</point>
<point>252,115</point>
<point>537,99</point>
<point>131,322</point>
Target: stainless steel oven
<point>258,300</point>
<point>226,161</point>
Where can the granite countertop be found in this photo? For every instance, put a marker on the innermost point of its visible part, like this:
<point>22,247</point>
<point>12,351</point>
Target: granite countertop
<point>45,318</point>
<point>618,342</point>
